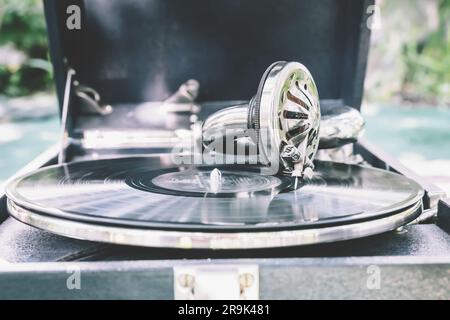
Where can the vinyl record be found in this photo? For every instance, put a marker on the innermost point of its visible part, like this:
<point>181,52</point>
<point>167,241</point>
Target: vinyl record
<point>149,201</point>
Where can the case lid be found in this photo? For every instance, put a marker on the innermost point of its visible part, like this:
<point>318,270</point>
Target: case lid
<point>142,50</point>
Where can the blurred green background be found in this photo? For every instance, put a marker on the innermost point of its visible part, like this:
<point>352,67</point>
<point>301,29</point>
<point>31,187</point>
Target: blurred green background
<point>410,56</point>
<point>409,61</point>
<point>407,89</point>
<point>24,60</point>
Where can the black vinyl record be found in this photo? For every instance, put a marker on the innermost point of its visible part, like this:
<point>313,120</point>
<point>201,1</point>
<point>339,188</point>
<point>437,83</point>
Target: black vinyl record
<point>152,193</point>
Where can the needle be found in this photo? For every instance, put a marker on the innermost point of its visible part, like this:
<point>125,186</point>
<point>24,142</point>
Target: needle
<point>215,180</point>
<point>296,183</point>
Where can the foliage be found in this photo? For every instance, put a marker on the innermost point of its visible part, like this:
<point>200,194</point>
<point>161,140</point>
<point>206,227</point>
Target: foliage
<point>418,70</point>
<point>427,63</point>
<point>24,62</point>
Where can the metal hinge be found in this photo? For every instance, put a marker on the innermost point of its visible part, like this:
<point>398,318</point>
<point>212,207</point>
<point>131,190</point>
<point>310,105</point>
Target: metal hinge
<point>218,282</point>
<point>89,102</point>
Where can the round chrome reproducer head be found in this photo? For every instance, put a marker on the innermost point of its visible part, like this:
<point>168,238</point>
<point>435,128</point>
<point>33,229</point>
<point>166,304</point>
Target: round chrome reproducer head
<point>282,120</point>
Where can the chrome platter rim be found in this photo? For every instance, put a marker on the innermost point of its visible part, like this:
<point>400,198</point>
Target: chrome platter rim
<point>212,240</point>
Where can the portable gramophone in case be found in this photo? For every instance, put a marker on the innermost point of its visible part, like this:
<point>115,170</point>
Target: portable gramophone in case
<point>195,152</point>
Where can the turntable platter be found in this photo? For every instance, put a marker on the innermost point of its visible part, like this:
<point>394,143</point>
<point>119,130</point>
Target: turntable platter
<point>147,201</point>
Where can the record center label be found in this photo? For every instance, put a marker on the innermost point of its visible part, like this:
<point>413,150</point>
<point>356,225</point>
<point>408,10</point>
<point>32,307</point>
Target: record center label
<point>209,181</point>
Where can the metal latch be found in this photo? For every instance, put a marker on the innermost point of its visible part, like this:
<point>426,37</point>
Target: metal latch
<point>218,282</point>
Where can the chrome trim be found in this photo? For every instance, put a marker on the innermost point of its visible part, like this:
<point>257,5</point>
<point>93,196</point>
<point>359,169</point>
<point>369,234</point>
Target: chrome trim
<point>342,126</point>
<point>204,240</point>
<point>64,135</point>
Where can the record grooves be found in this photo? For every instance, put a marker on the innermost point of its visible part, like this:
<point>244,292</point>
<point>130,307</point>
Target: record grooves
<point>153,198</point>
<point>193,182</point>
